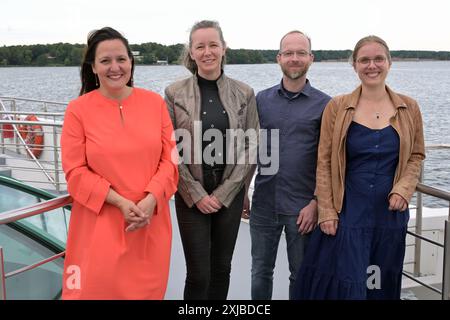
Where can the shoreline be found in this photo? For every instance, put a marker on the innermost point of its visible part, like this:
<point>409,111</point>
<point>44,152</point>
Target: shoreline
<point>235,64</point>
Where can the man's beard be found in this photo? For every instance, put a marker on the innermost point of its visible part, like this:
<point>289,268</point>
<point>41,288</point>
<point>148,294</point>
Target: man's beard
<point>295,75</point>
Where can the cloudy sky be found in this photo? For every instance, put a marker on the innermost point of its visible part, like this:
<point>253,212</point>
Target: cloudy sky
<point>252,24</point>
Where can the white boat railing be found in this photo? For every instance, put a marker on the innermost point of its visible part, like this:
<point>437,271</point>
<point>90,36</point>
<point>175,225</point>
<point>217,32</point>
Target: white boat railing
<point>45,171</point>
<point>444,195</point>
<point>419,208</point>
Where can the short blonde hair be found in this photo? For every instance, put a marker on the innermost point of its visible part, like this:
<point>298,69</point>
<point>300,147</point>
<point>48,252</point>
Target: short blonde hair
<point>298,32</point>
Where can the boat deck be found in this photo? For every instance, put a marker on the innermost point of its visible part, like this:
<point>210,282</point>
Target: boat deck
<point>240,268</point>
<point>240,280</point>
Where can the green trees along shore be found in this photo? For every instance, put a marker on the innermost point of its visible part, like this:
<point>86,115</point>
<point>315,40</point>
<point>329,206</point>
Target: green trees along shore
<point>66,54</point>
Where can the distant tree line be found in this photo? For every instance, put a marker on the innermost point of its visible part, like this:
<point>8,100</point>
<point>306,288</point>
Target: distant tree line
<point>65,54</point>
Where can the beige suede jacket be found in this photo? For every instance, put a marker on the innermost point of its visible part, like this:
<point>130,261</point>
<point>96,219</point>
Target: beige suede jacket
<point>331,162</point>
<point>238,99</point>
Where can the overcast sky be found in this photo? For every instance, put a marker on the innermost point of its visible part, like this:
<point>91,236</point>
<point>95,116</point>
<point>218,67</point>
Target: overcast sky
<point>253,24</point>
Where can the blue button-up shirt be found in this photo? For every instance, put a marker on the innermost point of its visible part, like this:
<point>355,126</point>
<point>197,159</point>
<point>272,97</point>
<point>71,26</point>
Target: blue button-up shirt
<point>298,117</point>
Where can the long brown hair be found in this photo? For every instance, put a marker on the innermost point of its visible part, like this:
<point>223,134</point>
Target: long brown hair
<point>88,78</point>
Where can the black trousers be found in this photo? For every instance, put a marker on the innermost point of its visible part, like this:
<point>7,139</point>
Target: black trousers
<point>208,244</point>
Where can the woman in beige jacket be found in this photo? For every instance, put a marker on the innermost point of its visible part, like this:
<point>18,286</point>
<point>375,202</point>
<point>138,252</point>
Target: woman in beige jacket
<point>370,154</point>
<point>207,110</point>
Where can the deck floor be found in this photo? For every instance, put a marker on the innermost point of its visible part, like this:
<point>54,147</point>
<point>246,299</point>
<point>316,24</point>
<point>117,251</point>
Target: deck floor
<point>240,268</point>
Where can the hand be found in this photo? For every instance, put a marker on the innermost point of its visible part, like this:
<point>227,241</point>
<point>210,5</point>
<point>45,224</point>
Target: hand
<point>329,227</point>
<point>217,202</point>
<point>147,205</point>
<point>246,208</point>
<point>307,218</point>
<point>137,225</point>
<point>131,212</point>
<point>207,205</point>
<point>397,202</point>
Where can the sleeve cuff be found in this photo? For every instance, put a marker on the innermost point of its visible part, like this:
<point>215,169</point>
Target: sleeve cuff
<point>97,198</point>
<point>157,190</point>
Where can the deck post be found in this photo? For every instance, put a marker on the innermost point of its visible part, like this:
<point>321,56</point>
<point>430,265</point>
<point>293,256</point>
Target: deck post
<point>56,160</point>
<point>446,267</point>
<point>2,276</point>
<point>418,229</point>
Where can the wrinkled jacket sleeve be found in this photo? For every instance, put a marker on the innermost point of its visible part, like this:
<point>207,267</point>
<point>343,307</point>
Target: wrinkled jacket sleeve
<point>407,183</point>
<point>85,186</point>
<point>230,187</point>
<point>324,189</point>
<point>164,183</point>
<point>187,182</point>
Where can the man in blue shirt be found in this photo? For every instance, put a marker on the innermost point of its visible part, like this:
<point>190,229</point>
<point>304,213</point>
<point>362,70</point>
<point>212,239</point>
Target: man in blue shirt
<point>284,200</point>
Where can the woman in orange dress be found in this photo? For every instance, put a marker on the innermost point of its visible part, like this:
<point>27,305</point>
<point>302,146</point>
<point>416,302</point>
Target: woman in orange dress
<point>116,154</point>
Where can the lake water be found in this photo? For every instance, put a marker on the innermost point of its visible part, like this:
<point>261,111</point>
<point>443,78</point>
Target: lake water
<point>427,81</point>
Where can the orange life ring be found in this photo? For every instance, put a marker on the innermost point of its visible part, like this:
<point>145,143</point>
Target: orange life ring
<point>33,135</point>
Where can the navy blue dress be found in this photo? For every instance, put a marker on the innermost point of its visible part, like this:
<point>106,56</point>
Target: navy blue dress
<point>364,260</point>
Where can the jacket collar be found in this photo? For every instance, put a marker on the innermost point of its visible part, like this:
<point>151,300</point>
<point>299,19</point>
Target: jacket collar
<point>356,94</point>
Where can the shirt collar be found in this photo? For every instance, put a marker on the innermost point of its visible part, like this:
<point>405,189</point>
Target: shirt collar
<point>306,91</point>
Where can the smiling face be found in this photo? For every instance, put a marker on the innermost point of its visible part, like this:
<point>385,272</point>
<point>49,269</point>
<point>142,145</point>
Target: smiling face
<point>295,56</point>
<point>207,50</point>
<point>112,66</point>
<point>372,64</point>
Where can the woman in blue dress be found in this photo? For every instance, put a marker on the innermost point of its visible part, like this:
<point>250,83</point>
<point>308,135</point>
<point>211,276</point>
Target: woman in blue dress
<point>370,154</point>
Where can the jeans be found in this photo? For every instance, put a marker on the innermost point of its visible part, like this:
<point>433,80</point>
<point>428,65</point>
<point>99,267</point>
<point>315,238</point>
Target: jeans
<point>208,244</point>
<point>265,231</point>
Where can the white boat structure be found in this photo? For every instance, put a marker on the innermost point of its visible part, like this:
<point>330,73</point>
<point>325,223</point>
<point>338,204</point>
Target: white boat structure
<point>35,210</point>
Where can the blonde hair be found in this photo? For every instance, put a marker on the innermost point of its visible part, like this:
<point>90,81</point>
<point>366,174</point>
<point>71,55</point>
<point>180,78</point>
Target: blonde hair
<point>186,59</point>
<point>368,39</point>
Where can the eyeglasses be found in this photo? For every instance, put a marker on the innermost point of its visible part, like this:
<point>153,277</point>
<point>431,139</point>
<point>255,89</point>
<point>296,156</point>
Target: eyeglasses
<point>378,60</point>
<point>290,54</point>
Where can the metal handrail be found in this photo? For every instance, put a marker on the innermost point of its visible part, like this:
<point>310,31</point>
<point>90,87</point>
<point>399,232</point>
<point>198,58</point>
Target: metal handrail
<point>32,100</point>
<point>33,123</point>
<point>445,195</point>
<point>2,276</point>
<point>34,209</point>
<point>22,213</point>
<point>432,191</point>
<point>425,239</point>
<point>34,265</point>
<point>421,283</point>
<point>10,116</point>
<point>27,148</point>
<point>51,114</point>
<point>419,210</point>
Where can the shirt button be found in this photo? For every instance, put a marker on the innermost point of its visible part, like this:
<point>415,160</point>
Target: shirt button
<point>224,112</point>
<point>371,185</point>
<point>204,112</point>
<point>210,101</point>
<point>212,126</point>
<point>376,146</point>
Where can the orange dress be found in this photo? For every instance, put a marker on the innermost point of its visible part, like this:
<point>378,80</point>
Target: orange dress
<point>129,151</point>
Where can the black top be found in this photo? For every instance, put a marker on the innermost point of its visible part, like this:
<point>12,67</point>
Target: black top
<point>213,116</point>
